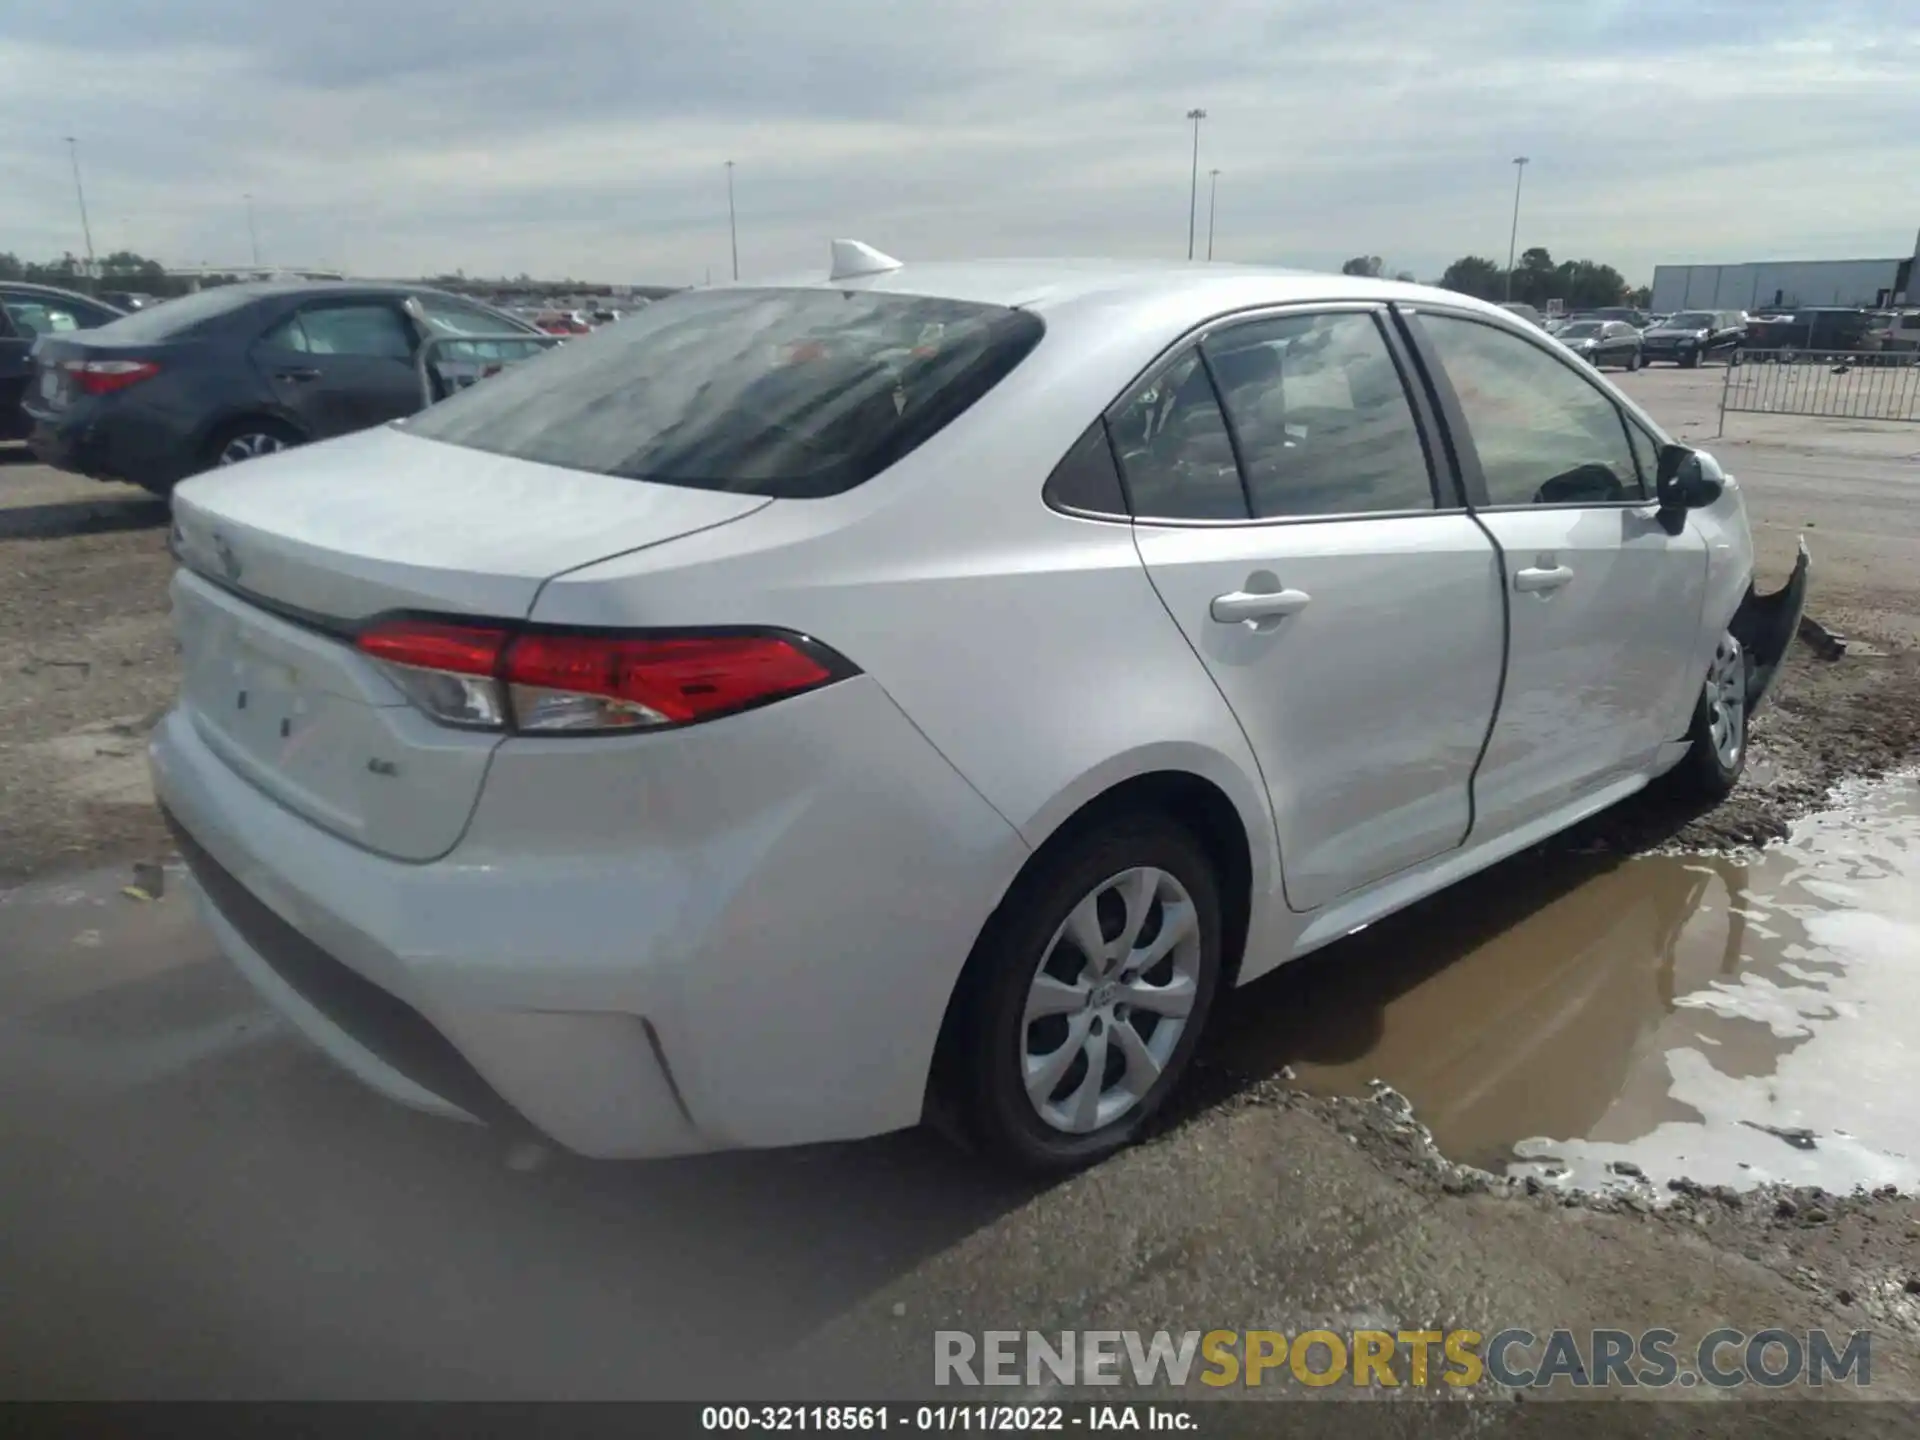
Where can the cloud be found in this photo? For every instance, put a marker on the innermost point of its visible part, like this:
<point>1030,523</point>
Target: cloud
<point>590,140</point>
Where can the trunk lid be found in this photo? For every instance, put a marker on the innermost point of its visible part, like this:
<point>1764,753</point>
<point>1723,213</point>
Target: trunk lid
<point>383,520</point>
<point>284,556</point>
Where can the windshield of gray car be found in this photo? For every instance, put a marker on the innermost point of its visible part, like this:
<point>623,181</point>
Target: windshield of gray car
<point>790,393</point>
<point>1691,320</point>
<point>1580,330</point>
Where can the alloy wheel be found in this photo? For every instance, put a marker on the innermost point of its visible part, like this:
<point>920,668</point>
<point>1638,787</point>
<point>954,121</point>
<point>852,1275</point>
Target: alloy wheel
<point>249,446</point>
<point>1112,995</point>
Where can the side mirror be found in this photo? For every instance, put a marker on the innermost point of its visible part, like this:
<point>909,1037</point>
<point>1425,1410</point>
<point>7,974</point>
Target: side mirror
<point>1682,484</point>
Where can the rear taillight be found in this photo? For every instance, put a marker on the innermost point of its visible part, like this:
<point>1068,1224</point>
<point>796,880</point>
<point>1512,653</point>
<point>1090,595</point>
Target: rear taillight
<point>449,671</point>
<point>546,682</point>
<point>103,377</point>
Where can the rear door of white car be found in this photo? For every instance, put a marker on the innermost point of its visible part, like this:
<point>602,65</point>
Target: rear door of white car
<point>1302,527</point>
<point>1605,605</point>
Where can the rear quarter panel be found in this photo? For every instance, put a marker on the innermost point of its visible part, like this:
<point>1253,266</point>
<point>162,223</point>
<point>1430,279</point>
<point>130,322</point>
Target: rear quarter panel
<point>1028,646</point>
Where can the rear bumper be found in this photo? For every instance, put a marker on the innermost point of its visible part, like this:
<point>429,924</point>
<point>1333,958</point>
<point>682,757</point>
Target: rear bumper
<point>772,977</point>
<point>90,444</point>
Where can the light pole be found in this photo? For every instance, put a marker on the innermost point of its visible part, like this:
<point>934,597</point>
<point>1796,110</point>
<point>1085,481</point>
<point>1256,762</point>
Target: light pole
<point>253,233</point>
<point>1196,115</point>
<point>1213,195</point>
<point>733,226</point>
<point>1513,236</point>
<point>80,194</point>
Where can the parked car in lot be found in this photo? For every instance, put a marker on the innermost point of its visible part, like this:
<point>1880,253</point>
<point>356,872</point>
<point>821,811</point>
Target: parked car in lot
<point>26,313</point>
<point>1815,331</point>
<point>1602,342</point>
<point>797,710</point>
<point>1525,312</point>
<point>1902,336</point>
<point>235,372</point>
<point>1625,314</point>
<point>563,322</point>
<point>1691,336</point>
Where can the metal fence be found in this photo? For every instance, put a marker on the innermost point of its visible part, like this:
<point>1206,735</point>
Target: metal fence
<point>448,363</point>
<point>1851,385</point>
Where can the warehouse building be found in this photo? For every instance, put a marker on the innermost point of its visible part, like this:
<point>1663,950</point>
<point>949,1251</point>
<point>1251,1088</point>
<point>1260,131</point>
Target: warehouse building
<point>1754,285</point>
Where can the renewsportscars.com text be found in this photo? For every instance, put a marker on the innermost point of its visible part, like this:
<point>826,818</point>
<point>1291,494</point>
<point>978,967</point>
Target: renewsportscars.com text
<point>1513,1358</point>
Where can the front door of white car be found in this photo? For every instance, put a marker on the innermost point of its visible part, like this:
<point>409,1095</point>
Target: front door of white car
<point>1285,500</point>
<point>1604,604</point>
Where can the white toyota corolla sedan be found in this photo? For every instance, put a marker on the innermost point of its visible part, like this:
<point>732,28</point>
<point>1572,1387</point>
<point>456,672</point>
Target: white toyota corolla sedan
<point>803,708</point>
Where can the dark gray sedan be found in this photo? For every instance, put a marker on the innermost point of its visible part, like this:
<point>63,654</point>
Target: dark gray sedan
<point>238,371</point>
<point>1602,342</point>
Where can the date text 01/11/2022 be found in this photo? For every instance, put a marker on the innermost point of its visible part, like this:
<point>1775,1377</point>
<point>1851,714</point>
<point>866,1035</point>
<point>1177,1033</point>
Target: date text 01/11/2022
<point>758,1419</point>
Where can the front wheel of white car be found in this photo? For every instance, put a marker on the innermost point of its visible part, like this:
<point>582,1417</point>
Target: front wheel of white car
<point>1718,754</point>
<point>1096,981</point>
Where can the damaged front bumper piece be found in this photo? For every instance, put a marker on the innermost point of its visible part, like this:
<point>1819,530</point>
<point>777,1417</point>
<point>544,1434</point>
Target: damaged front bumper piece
<point>1765,625</point>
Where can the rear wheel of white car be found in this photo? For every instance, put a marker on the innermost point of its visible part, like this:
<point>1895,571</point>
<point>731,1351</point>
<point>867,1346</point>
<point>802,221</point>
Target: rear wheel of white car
<point>1718,755</point>
<point>1098,977</point>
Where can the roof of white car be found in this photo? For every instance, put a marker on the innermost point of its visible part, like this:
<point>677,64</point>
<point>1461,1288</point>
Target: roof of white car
<point>1049,285</point>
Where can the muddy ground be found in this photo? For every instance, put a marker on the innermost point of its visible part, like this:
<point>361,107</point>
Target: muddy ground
<point>1255,1193</point>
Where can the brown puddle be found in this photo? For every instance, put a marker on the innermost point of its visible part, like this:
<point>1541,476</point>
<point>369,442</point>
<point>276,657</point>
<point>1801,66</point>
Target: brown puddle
<point>1735,1020</point>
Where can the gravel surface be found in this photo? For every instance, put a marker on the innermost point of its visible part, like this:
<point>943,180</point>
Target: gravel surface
<point>89,665</point>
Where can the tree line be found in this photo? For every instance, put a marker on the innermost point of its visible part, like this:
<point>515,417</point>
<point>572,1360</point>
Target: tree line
<point>121,270</point>
<point>1578,284</point>
<point>137,274</point>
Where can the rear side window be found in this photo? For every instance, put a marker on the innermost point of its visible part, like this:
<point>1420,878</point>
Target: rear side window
<point>1087,479</point>
<point>1321,417</point>
<point>786,393</point>
<point>1174,449</point>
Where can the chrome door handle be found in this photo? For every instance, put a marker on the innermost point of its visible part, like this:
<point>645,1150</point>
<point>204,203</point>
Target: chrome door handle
<point>1245,606</point>
<point>1538,578</point>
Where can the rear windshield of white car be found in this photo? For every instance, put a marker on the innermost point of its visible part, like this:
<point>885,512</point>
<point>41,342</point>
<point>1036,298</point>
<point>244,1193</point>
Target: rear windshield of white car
<point>787,393</point>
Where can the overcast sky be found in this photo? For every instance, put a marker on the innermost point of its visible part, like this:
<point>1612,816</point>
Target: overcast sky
<point>587,137</point>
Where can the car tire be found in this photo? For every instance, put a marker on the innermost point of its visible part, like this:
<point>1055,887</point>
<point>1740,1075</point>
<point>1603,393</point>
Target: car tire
<point>1031,982</point>
<point>1633,362</point>
<point>1690,361</point>
<point>1717,756</point>
<point>248,439</point>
